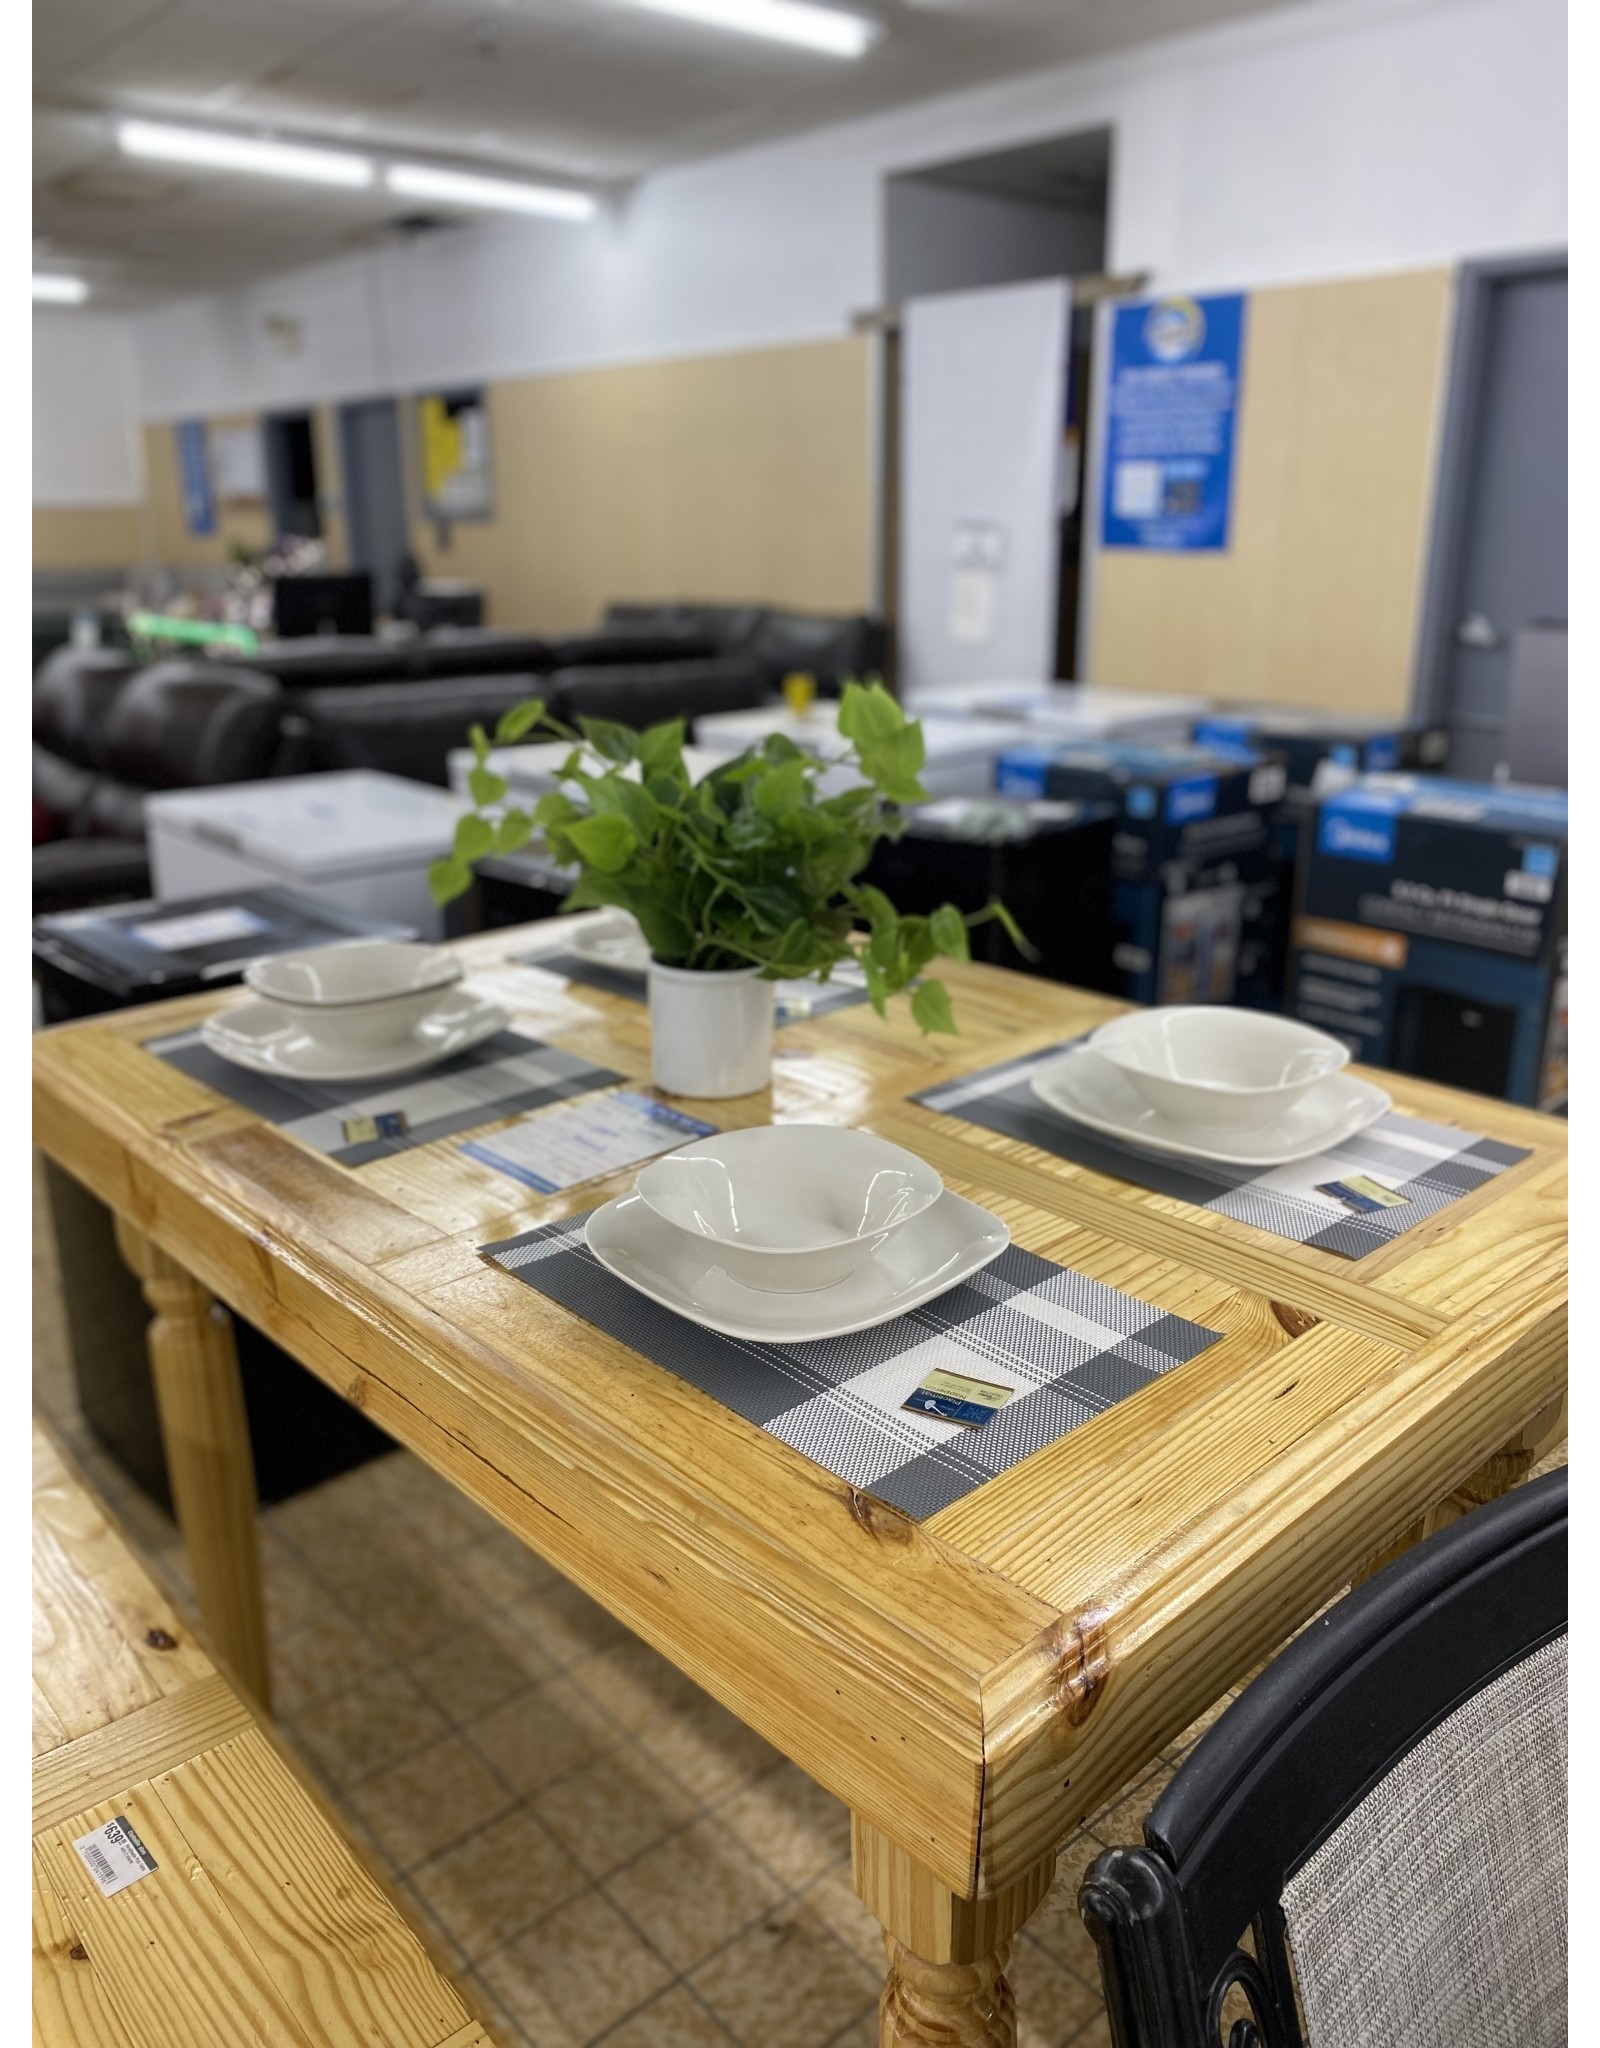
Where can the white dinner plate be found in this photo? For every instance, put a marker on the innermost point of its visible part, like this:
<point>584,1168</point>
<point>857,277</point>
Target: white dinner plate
<point>927,1256</point>
<point>614,941</point>
<point>1088,1089</point>
<point>262,1037</point>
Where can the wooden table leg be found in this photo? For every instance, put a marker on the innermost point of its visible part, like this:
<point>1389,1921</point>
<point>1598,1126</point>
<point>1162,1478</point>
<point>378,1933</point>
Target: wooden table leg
<point>946,1986</point>
<point>206,1434</point>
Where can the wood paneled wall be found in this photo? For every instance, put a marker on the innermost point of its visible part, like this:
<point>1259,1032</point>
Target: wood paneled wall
<point>1317,599</point>
<point>86,536</point>
<point>728,477</point>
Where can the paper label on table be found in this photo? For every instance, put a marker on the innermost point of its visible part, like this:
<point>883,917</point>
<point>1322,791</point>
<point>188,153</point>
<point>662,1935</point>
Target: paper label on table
<point>199,928</point>
<point>1363,1194</point>
<point>586,1140</point>
<point>114,1856</point>
<point>954,1397</point>
<point>368,1130</point>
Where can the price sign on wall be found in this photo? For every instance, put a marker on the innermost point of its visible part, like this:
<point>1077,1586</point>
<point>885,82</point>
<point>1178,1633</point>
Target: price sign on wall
<point>1170,418</point>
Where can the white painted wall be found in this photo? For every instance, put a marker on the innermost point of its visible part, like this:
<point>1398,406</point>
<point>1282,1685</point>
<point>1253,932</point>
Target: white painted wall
<point>85,409</point>
<point>1330,138</point>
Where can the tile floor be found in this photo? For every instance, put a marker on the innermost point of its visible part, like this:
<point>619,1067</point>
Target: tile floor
<point>595,1848</point>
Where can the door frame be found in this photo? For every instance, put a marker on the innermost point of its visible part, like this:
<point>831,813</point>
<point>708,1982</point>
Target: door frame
<point>1465,378</point>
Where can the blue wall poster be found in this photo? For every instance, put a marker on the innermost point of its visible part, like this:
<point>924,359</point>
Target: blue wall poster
<point>1173,397</point>
<point>194,472</point>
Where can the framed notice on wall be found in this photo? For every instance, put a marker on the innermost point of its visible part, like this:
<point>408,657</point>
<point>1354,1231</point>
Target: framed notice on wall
<point>456,481</point>
<point>194,477</point>
<point>1171,409</point>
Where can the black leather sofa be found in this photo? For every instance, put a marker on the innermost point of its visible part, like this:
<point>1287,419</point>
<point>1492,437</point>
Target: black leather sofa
<point>833,647</point>
<point>319,661</point>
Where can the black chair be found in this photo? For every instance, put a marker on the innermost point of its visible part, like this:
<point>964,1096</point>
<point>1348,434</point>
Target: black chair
<point>1384,1810</point>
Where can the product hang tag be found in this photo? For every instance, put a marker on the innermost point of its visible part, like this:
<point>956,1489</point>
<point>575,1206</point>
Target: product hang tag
<point>953,1397</point>
<point>114,1856</point>
<point>367,1130</point>
<point>1361,1193</point>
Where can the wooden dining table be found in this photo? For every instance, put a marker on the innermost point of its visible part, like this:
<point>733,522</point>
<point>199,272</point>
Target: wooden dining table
<point>971,1685</point>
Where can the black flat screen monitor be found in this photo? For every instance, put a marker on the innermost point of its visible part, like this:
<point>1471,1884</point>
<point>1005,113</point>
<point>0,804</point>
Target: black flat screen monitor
<point>303,605</point>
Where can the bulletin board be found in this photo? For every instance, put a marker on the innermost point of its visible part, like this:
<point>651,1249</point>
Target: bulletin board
<point>1316,597</point>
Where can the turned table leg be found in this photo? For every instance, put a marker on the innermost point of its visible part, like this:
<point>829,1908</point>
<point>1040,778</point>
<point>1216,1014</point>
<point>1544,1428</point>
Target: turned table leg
<point>199,1397</point>
<point>946,1986</point>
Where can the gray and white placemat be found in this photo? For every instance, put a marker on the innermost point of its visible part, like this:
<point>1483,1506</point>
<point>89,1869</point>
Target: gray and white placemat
<point>794,1002</point>
<point>1068,1346</point>
<point>1427,1165</point>
<point>355,1122</point>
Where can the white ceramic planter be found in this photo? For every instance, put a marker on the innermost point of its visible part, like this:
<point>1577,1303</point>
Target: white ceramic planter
<point>710,1034</point>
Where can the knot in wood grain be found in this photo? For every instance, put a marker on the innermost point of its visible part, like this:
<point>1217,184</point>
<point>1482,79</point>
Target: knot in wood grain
<point>1083,1665</point>
<point>160,1639</point>
<point>1295,1320</point>
<point>77,1953</point>
<point>888,1524</point>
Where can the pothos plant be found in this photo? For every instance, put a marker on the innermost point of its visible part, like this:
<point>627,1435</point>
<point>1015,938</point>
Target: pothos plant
<point>753,866</point>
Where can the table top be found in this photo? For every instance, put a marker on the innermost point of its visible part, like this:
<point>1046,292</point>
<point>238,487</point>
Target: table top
<point>972,1684</point>
<point>258,1920</point>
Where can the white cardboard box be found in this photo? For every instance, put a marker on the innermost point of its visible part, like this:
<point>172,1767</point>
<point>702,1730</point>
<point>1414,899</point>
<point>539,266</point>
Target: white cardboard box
<point>361,839</point>
<point>531,770</point>
<point>961,755</point>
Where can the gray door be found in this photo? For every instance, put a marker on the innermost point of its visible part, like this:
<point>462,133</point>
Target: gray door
<point>1502,572</point>
<point>374,494</point>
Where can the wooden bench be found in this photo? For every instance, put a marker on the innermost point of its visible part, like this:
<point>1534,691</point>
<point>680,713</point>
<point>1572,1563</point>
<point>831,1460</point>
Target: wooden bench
<point>258,1923</point>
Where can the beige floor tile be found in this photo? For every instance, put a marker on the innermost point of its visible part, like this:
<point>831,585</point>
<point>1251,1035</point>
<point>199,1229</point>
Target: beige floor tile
<point>502,1574</point>
<point>369,1726</point>
<point>709,1751</point>
<point>864,2034</point>
<point>674,2020</point>
<point>786,1819</point>
<point>312,1663</point>
<point>293,1597</point>
<point>408,1601</point>
<point>1053,2003</point>
<point>565,1624</point>
<point>834,1900</point>
<point>430,1801</point>
<point>497,1882</point>
<point>1123,1821</point>
<point>579,1971</point>
<point>485,2006</point>
<point>786,1983</point>
<point>1097,2034</point>
<point>693,1892</point>
<point>476,1668</point>
<point>1058,1925</point>
<point>612,1810</point>
<point>542,1733</point>
<point>633,1683</point>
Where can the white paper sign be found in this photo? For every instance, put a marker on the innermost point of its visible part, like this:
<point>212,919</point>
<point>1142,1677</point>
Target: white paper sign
<point>114,1856</point>
<point>586,1140</point>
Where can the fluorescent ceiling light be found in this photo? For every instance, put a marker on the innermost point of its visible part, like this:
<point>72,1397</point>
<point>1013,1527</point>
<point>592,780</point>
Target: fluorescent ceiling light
<point>51,288</point>
<point>822,29</point>
<point>466,188</point>
<point>227,152</point>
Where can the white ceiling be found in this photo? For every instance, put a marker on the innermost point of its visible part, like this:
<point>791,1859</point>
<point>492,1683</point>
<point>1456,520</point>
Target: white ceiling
<point>594,90</point>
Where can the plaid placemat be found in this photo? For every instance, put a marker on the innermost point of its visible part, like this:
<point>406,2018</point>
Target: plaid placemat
<point>1069,1346</point>
<point>1427,1165</point>
<point>355,1122</point>
<point>794,1002</point>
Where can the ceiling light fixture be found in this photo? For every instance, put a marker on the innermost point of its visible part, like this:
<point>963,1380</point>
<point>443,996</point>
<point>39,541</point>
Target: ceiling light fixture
<point>227,152</point>
<point>466,188</point>
<point>52,288</point>
<point>822,29</point>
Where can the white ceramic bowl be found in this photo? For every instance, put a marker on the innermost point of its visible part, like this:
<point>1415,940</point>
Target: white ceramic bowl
<point>1229,1069</point>
<point>790,1207</point>
<point>358,996</point>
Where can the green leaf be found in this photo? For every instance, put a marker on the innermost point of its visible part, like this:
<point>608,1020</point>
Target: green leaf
<point>515,829</point>
<point>486,787</point>
<point>930,1006</point>
<point>480,743</point>
<point>948,929</point>
<point>520,719</point>
<point>660,747</point>
<point>606,842</point>
<point>781,790</point>
<point>612,742</point>
<point>474,837</point>
<point>448,879</point>
<point>869,713</point>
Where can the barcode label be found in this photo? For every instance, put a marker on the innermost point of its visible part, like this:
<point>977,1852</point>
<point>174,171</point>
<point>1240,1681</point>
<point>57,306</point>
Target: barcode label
<point>114,1856</point>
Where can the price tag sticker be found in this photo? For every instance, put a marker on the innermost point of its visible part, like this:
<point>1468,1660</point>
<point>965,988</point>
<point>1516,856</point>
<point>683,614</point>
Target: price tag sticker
<point>1362,1194</point>
<point>953,1397</point>
<point>367,1130</point>
<point>114,1856</point>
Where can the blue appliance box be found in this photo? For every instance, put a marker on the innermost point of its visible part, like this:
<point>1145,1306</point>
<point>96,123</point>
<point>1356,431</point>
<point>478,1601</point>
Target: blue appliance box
<point>1306,739</point>
<point>1196,893</point>
<point>1431,932</point>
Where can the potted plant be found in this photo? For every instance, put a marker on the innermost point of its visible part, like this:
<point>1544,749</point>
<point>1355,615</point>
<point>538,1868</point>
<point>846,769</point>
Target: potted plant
<point>747,877</point>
